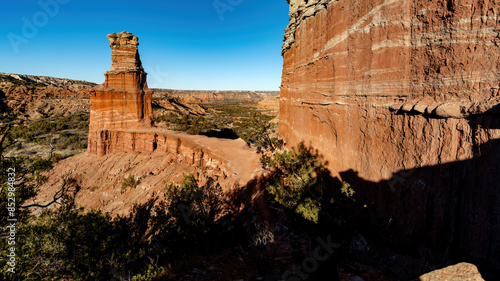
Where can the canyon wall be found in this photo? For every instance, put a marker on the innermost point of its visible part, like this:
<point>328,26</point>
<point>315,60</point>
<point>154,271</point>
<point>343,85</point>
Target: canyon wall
<point>215,96</point>
<point>402,99</point>
<point>33,97</point>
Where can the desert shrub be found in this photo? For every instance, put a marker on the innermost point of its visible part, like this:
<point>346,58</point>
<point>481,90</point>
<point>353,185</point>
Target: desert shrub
<point>41,141</point>
<point>153,272</point>
<point>84,125</point>
<point>76,141</point>
<point>73,141</point>
<point>36,167</point>
<point>76,121</point>
<point>259,131</point>
<point>168,117</point>
<point>41,127</point>
<point>56,158</point>
<point>28,174</point>
<point>39,164</point>
<point>129,181</point>
<point>196,218</point>
<point>263,249</point>
<point>68,243</point>
<point>72,245</point>
<point>18,145</point>
<point>298,181</point>
<point>192,204</point>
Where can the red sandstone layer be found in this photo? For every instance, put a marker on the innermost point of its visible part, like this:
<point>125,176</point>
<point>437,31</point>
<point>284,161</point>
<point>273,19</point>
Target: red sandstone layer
<point>130,82</point>
<point>120,110</point>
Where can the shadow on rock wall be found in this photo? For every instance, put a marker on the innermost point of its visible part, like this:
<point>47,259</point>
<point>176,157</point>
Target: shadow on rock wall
<point>453,207</point>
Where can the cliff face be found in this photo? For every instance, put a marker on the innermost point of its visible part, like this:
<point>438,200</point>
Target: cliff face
<point>402,99</point>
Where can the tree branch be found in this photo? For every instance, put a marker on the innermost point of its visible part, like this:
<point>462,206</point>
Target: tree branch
<point>61,193</point>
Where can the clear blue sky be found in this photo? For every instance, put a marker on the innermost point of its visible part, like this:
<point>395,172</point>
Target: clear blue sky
<point>200,44</point>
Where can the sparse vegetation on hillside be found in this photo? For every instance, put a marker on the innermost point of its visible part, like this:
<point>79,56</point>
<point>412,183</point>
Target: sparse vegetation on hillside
<point>198,213</point>
<point>198,233</point>
<point>129,182</point>
<point>40,81</point>
<point>63,133</point>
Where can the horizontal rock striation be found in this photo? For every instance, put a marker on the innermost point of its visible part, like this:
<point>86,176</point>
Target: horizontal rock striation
<point>126,73</point>
<point>119,110</point>
<point>148,142</point>
<point>233,156</point>
<point>402,98</point>
<point>101,178</point>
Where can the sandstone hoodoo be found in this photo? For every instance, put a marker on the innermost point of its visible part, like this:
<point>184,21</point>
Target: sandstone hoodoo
<point>401,98</point>
<point>124,100</point>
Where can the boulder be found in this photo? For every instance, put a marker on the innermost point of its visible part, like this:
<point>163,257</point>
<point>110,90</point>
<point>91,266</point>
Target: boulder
<point>458,272</point>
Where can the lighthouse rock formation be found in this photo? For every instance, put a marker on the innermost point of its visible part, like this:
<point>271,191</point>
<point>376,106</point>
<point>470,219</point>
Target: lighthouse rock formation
<point>402,99</point>
<point>123,101</point>
<point>121,120</point>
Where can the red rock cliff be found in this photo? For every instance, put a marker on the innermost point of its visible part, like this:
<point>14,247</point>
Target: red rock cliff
<point>402,99</point>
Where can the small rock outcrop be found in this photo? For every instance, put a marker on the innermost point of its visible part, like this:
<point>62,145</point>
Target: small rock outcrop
<point>402,100</point>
